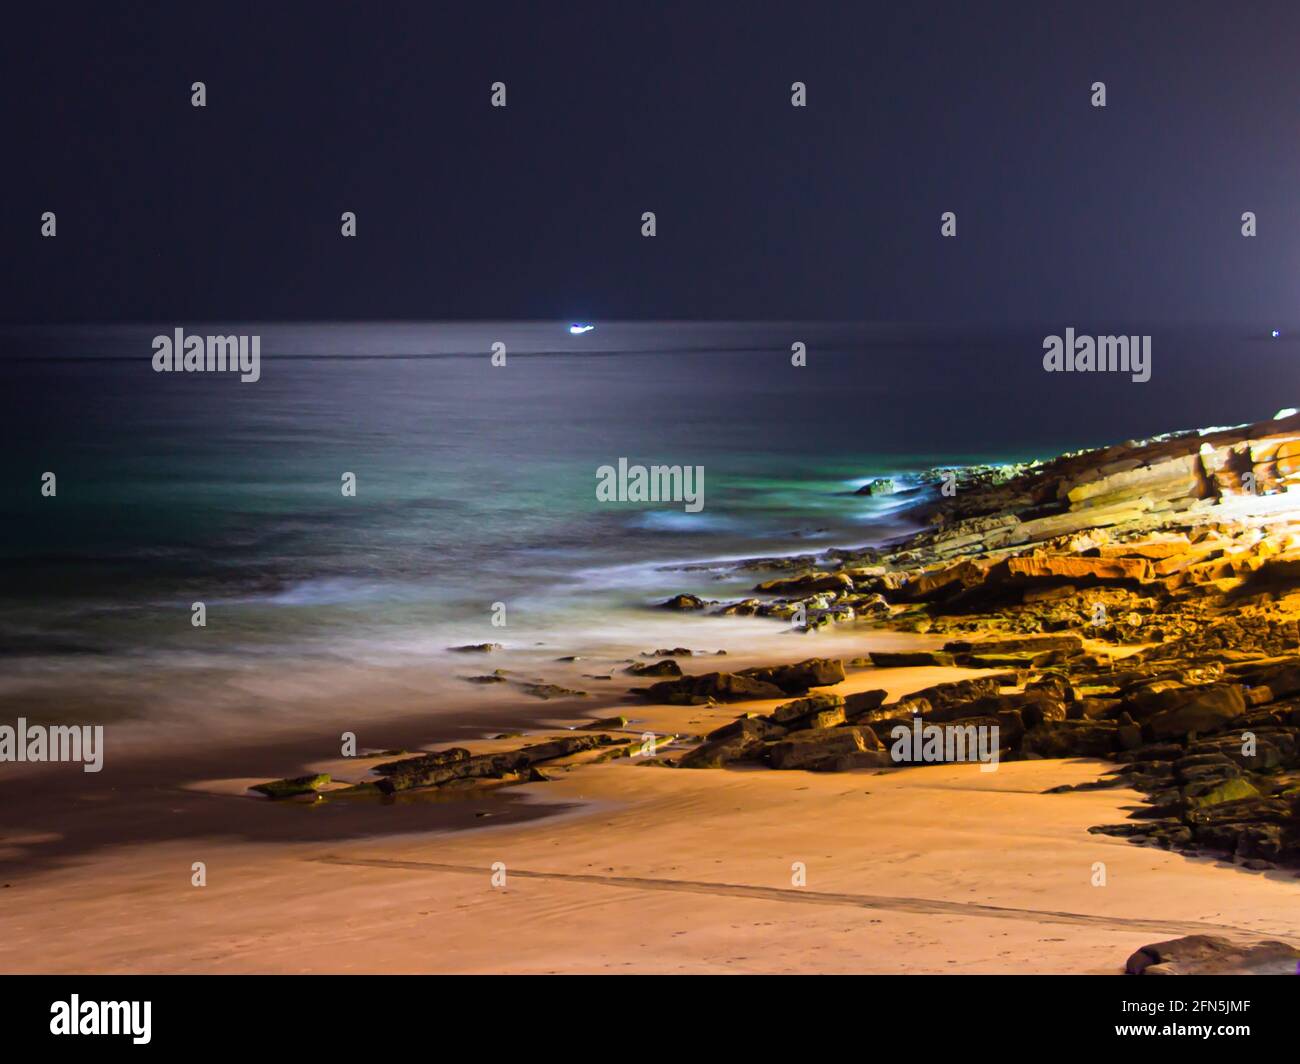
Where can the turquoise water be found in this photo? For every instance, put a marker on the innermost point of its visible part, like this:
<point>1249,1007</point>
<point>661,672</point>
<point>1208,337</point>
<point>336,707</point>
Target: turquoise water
<point>476,483</point>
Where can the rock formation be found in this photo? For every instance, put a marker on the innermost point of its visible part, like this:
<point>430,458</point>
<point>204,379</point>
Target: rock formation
<point>1140,603</point>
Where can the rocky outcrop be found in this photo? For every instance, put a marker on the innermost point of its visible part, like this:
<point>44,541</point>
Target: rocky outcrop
<point>457,764</point>
<point>1140,604</point>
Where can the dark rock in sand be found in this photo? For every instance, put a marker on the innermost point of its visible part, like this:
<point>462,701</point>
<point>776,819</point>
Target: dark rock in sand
<point>806,749</point>
<point>743,739</point>
<point>456,765</point>
<point>1214,955</point>
<point>292,788</point>
<point>855,705</point>
<point>605,723</point>
<point>477,648</point>
<point>547,691</point>
<point>715,686</point>
<point>883,659</point>
<point>667,667</point>
<point>437,759</point>
<point>945,694</point>
<point>817,711</point>
<point>803,707</point>
<point>798,678</point>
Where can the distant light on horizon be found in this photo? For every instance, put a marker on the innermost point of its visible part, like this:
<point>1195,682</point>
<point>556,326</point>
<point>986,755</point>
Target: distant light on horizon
<point>1276,334</point>
<point>579,328</point>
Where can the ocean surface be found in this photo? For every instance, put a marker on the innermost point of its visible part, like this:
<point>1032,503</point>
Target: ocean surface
<point>476,484</point>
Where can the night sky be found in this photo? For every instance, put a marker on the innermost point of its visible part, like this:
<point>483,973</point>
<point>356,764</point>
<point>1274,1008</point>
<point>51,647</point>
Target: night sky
<point>1066,212</point>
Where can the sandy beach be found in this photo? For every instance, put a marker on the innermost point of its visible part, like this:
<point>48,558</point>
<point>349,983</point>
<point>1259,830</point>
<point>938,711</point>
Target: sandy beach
<point>620,867</point>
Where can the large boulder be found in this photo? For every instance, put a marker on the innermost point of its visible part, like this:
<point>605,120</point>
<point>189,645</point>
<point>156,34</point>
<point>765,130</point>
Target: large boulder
<point>685,602</point>
<point>816,711</point>
<point>740,740</point>
<point>666,667</point>
<point>1071,738</point>
<point>969,740</point>
<point>805,749</point>
<point>860,702</point>
<point>946,582</point>
<point>1201,709</point>
<point>798,678</point>
<point>1214,955</point>
<point>945,694</point>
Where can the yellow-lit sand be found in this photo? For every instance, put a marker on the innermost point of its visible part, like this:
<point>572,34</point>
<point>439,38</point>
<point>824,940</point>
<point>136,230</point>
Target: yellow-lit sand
<point>931,869</point>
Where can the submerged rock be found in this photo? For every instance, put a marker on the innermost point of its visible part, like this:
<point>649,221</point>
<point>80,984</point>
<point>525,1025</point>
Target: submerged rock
<point>605,723</point>
<point>547,691</point>
<point>685,602</point>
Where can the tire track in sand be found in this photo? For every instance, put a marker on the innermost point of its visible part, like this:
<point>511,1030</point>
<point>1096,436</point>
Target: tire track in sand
<point>801,896</point>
